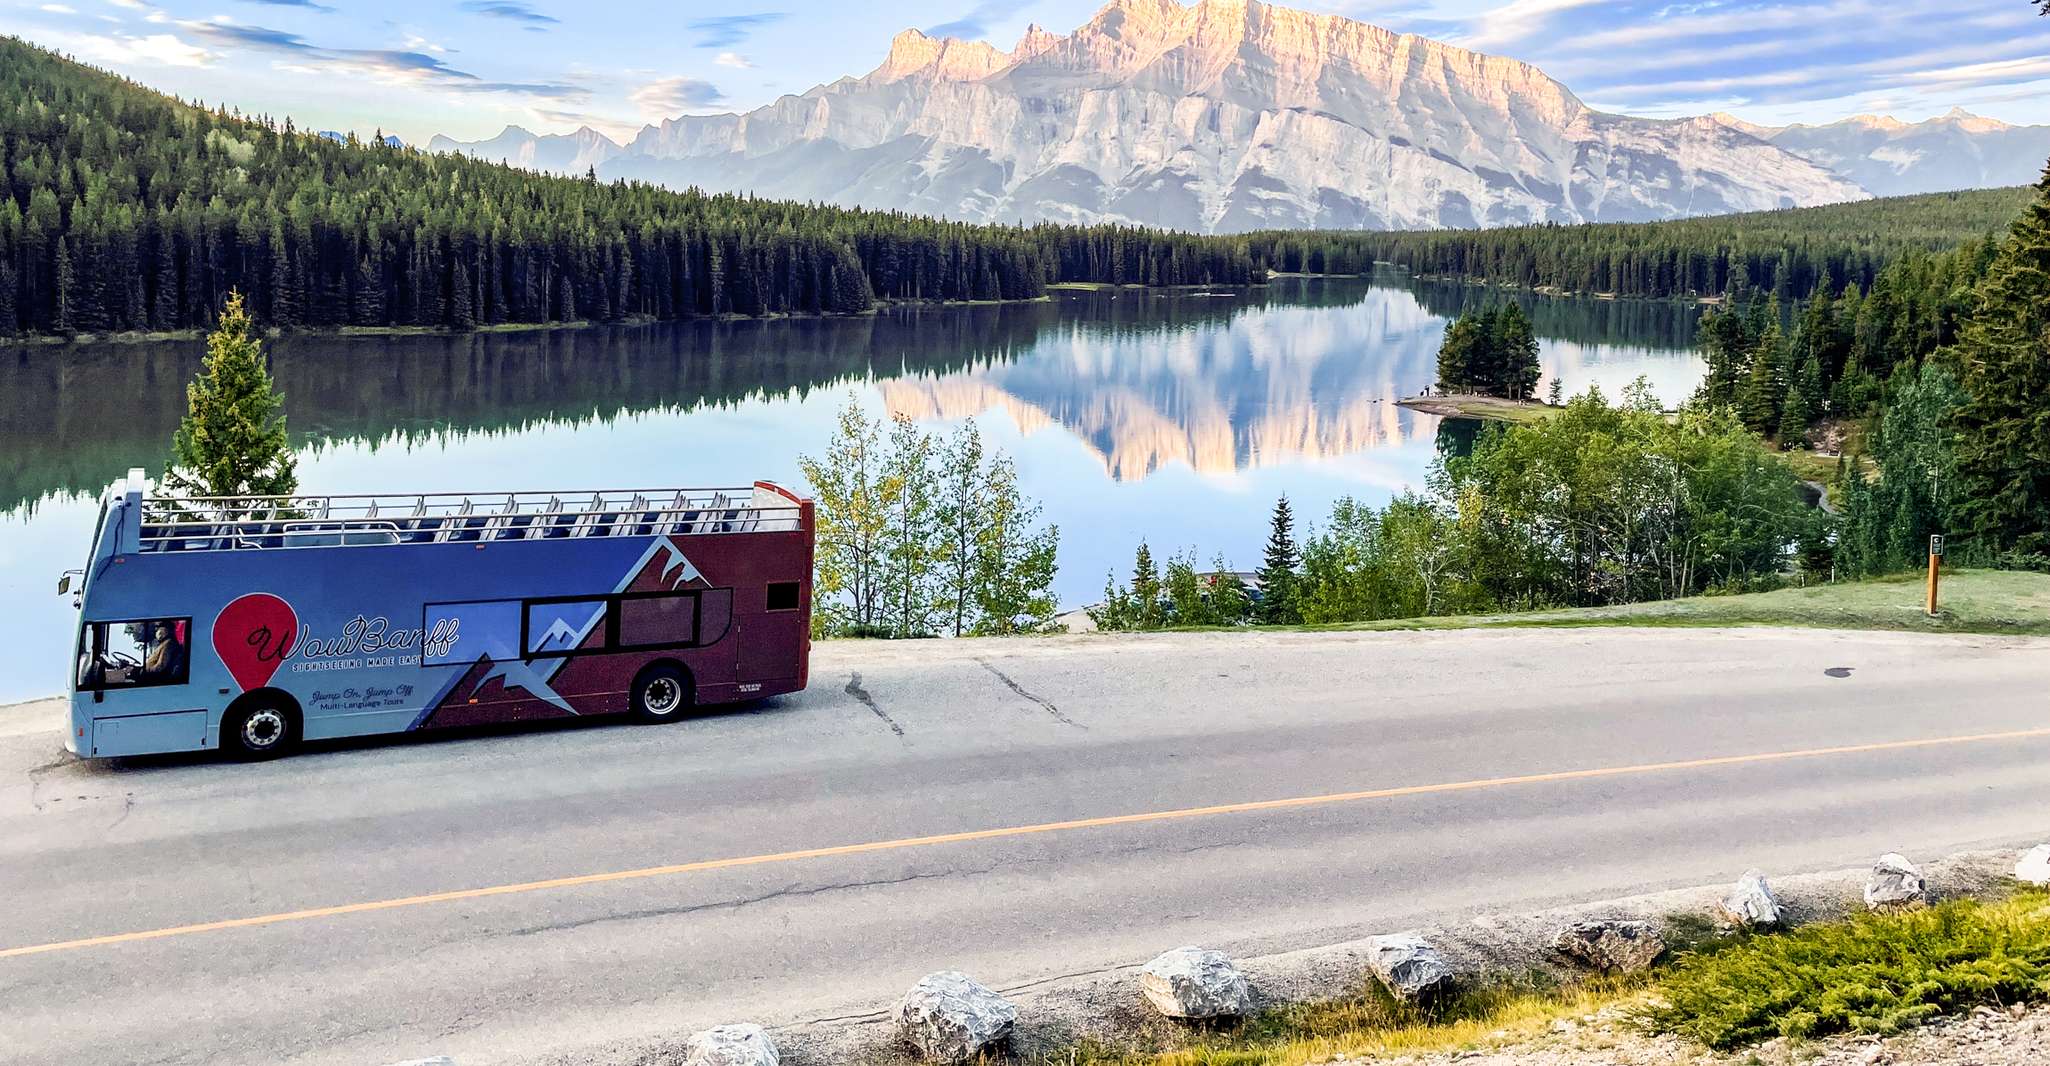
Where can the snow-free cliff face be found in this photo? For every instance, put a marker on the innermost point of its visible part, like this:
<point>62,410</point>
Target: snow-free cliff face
<point>1888,157</point>
<point>1224,116</point>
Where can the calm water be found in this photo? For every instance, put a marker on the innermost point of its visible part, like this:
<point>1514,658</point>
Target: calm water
<point>1176,419</point>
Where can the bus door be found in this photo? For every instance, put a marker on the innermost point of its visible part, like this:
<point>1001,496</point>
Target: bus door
<point>136,674</point>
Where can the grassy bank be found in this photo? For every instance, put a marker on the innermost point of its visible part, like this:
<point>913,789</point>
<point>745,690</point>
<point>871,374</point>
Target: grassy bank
<point>1871,974</point>
<point>1973,601</point>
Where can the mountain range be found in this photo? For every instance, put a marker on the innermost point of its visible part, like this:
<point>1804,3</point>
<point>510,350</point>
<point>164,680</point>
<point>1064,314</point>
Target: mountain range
<point>1234,115</point>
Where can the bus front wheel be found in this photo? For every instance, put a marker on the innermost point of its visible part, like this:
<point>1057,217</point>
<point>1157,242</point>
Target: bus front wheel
<point>264,727</point>
<point>663,693</point>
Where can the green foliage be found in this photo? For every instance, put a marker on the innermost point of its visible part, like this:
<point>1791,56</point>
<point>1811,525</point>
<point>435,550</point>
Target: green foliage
<point>1887,520</point>
<point>1405,561</point>
<point>1601,504</point>
<point>917,537</point>
<point>1595,505</point>
<point>1493,352</point>
<point>1787,252</point>
<point>1278,570</point>
<point>124,209</point>
<point>232,441</point>
<point>1873,974</point>
<point>2004,426</point>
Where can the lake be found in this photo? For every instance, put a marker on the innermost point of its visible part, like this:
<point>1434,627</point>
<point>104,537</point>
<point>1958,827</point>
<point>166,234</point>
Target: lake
<point>1174,418</point>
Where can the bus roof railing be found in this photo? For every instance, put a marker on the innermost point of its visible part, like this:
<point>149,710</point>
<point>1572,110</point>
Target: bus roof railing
<point>227,523</point>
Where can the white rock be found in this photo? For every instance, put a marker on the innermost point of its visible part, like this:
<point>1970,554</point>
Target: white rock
<point>1614,946</point>
<point>1195,983</point>
<point>1752,904</point>
<point>437,1060</point>
<point>1408,965</point>
<point>1895,883</point>
<point>949,1017</point>
<point>2034,867</point>
<point>732,1045</point>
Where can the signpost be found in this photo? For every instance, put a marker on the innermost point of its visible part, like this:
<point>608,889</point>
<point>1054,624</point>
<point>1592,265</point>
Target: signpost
<point>1935,569</point>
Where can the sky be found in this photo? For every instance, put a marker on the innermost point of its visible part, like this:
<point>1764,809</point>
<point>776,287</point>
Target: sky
<point>468,68</point>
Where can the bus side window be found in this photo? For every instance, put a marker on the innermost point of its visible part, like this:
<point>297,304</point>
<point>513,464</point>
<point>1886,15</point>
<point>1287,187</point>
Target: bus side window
<point>153,651</point>
<point>669,620</point>
<point>782,596</point>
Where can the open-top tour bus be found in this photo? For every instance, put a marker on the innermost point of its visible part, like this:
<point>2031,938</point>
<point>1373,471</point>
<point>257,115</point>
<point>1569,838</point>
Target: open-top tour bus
<point>253,623</point>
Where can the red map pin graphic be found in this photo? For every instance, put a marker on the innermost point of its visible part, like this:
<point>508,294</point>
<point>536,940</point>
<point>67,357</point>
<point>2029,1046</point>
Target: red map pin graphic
<point>253,636</point>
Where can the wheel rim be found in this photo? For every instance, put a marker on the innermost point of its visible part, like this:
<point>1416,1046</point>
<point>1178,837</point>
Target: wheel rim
<point>663,695</point>
<point>263,729</point>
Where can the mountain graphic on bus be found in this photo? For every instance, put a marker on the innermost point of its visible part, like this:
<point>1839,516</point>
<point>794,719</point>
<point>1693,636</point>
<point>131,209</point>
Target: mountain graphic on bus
<point>334,616</point>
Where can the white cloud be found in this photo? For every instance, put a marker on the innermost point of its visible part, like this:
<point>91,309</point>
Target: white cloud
<point>58,9</point>
<point>132,5</point>
<point>1517,20</point>
<point>669,97</point>
<point>160,48</point>
<point>734,60</point>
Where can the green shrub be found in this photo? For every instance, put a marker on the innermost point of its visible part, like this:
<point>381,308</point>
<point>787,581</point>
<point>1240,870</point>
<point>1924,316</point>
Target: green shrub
<point>1872,974</point>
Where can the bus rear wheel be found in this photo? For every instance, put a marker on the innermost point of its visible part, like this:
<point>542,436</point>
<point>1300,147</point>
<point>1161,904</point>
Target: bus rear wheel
<point>264,728</point>
<point>663,693</point>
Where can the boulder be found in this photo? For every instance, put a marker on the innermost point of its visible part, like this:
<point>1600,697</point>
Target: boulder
<point>1409,966</point>
<point>1195,983</point>
<point>2035,866</point>
<point>1895,883</point>
<point>1612,946</point>
<point>949,1017</point>
<point>732,1045</point>
<point>1751,904</point>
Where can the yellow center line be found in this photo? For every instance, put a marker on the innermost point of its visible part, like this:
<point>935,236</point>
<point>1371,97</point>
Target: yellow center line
<point>1015,831</point>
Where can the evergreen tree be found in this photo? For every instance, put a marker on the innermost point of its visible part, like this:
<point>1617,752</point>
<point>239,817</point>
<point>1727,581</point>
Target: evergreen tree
<point>232,441</point>
<point>1765,386</point>
<point>1146,606</point>
<point>1278,570</point>
<point>2003,429</point>
<point>1556,394</point>
<point>66,285</point>
<point>1803,403</point>
<point>1517,366</point>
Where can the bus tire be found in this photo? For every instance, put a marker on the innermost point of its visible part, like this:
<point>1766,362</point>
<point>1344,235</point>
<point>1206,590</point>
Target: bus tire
<point>259,726</point>
<point>662,693</point>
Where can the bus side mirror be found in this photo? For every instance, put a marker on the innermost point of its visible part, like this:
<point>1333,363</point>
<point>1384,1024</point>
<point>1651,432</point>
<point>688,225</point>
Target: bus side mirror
<point>64,584</point>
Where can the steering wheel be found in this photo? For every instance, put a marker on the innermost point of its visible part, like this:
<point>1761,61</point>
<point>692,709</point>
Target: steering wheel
<point>115,658</point>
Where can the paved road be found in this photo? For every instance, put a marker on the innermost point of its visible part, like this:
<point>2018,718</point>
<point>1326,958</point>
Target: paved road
<point>906,741</point>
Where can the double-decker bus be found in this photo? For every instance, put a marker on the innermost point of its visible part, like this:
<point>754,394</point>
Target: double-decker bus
<point>251,624</point>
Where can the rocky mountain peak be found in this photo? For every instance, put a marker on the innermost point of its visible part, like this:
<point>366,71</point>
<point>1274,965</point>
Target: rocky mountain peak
<point>949,58</point>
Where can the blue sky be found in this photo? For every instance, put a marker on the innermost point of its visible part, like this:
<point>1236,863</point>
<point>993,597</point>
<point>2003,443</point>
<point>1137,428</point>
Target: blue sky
<point>470,67</point>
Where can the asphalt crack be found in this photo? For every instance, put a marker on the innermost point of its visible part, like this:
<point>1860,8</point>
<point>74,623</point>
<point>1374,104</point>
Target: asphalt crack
<point>855,690</point>
<point>1044,703</point>
<point>787,892</point>
<point>35,778</point>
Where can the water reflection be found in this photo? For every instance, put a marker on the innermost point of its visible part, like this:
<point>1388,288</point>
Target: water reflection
<point>1173,418</point>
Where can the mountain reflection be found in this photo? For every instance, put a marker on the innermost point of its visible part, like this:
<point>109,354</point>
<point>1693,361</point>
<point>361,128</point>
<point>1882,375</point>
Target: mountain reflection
<point>1301,368</point>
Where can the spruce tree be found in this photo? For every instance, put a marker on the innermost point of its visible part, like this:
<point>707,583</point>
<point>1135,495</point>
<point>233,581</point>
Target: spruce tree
<point>2003,429</point>
<point>1146,608</point>
<point>1764,390</point>
<point>1516,356</point>
<point>1278,600</point>
<point>232,441</point>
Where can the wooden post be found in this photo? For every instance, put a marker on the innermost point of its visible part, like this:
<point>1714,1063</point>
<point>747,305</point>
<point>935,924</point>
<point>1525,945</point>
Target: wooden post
<point>1935,570</point>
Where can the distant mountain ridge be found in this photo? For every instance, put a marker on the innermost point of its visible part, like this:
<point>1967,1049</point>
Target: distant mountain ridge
<point>1888,157</point>
<point>552,153</point>
<point>1223,116</point>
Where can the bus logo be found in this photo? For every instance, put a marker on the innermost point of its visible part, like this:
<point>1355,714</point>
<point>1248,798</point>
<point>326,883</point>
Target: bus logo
<point>254,635</point>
